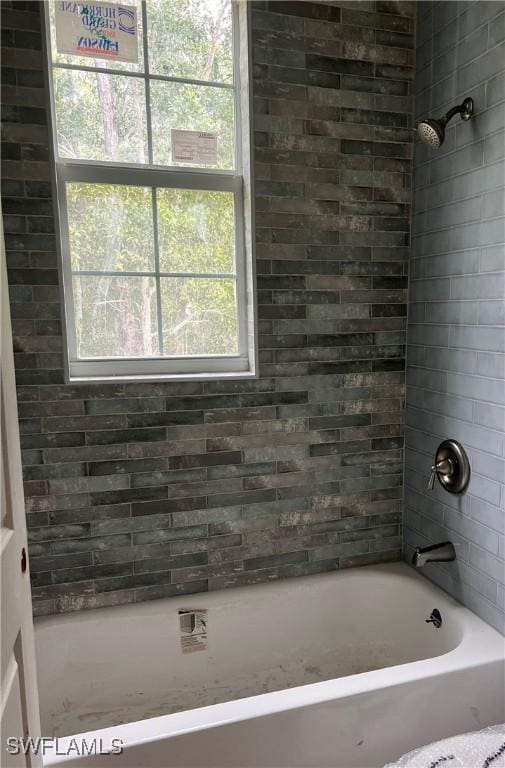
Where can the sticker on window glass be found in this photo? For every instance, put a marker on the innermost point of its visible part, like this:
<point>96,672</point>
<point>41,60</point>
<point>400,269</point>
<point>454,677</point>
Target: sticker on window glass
<point>194,147</point>
<point>104,31</point>
<point>193,629</point>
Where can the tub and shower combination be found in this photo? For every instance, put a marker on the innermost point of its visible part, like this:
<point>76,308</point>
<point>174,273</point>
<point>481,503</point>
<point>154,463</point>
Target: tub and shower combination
<point>348,669</point>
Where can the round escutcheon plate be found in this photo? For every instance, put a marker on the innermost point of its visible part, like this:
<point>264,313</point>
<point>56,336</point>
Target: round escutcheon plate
<point>457,480</point>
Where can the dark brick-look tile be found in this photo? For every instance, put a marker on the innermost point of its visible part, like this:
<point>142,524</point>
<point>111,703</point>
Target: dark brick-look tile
<point>141,491</point>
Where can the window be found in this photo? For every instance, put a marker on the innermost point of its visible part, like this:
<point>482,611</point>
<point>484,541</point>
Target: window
<point>152,162</point>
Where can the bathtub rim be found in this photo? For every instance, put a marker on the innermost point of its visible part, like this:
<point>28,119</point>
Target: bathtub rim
<point>479,644</point>
<point>393,570</point>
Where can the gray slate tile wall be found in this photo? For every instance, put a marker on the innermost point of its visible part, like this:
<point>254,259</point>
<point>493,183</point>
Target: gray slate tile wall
<point>142,491</point>
<point>456,336</point>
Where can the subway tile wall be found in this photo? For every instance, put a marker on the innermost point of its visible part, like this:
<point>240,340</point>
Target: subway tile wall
<point>456,336</point>
<point>139,491</point>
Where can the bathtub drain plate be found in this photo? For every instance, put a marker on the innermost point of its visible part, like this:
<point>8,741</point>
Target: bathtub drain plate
<point>435,618</point>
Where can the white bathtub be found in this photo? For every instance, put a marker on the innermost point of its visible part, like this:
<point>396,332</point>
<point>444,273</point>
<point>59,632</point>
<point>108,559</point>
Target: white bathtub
<point>337,670</point>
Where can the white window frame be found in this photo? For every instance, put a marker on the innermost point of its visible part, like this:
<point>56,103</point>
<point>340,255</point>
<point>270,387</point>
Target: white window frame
<point>237,181</point>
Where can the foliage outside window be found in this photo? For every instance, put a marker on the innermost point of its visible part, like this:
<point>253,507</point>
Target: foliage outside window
<point>155,260</point>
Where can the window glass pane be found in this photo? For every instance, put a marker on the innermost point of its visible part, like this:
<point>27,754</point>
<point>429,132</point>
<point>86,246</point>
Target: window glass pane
<point>100,117</point>
<point>199,316</point>
<point>196,231</point>
<point>115,316</point>
<point>110,228</point>
<point>190,39</point>
<point>191,108</point>
<point>86,61</point>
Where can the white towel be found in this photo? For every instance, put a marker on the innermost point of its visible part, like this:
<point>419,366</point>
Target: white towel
<point>479,749</point>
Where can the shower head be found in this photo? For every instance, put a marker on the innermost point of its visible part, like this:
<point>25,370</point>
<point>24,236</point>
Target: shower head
<point>432,132</point>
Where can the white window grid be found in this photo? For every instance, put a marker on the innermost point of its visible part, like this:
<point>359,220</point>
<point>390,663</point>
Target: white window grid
<point>150,175</point>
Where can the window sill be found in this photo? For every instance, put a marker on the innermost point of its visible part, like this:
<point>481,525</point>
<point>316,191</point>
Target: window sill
<point>121,371</point>
<point>161,378</point>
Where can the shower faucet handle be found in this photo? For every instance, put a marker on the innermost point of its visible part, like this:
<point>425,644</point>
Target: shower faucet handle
<point>434,469</point>
<point>444,466</point>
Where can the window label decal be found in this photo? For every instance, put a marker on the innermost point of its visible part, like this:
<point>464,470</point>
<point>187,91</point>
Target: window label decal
<point>194,147</point>
<point>99,31</point>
